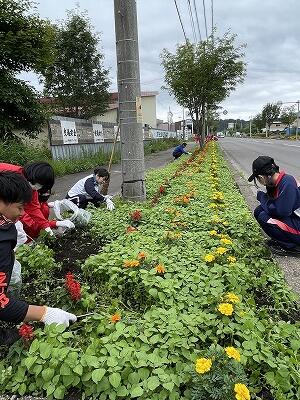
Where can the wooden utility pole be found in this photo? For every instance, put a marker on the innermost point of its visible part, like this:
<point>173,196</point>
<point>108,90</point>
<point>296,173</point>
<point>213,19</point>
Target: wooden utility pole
<point>130,117</point>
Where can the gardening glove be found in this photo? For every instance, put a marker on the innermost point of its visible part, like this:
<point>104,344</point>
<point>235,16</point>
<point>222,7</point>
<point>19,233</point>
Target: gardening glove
<point>50,231</point>
<point>51,204</point>
<point>107,196</point>
<point>57,316</point>
<point>109,205</point>
<point>65,224</point>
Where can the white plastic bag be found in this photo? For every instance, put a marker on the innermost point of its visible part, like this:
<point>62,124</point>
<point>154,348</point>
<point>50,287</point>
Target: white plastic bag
<point>77,215</point>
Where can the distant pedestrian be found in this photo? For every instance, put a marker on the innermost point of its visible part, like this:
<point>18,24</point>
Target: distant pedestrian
<point>279,211</point>
<point>179,150</point>
<point>87,190</point>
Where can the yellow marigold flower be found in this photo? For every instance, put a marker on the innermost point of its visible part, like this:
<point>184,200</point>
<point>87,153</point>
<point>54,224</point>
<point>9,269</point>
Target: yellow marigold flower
<point>203,365</point>
<point>221,250</point>
<point>226,241</point>
<point>160,269</point>
<point>233,353</point>
<point>142,255</point>
<point>231,259</point>
<point>242,392</point>
<point>115,318</point>
<point>213,233</point>
<point>225,223</point>
<point>213,205</point>
<point>225,309</point>
<point>209,258</point>
<point>232,298</point>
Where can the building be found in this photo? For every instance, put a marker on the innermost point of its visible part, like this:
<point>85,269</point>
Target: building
<point>148,109</point>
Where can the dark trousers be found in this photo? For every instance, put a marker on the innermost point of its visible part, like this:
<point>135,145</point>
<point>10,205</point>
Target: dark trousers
<point>283,230</point>
<point>8,336</point>
<point>82,201</point>
<point>176,155</point>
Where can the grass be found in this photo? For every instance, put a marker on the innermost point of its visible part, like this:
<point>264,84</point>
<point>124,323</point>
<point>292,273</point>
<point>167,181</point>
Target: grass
<point>20,153</point>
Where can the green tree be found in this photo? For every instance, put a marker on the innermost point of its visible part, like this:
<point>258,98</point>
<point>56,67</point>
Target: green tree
<point>288,116</point>
<point>201,75</point>
<point>77,79</point>
<point>258,123</point>
<point>269,114</point>
<point>25,44</point>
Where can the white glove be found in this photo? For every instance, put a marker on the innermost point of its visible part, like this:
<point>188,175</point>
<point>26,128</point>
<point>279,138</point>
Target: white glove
<point>22,237</point>
<point>65,224</point>
<point>57,316</point>
<point>109,205</point>
<point>51,204</point>
<point>107,196</point>
<point>50,231</point>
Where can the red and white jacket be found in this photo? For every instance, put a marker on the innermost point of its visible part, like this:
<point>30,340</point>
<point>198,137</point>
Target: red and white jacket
<point>35,217</point>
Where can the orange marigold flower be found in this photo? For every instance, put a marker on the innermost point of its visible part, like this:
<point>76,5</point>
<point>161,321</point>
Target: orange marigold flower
<point>142,255</point>
<point>131,263</point>
<point>115,318</point>
<point>130,229</point>
<point>160,269</point>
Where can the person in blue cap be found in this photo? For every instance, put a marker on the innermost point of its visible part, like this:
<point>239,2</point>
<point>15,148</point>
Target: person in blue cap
<point>279,211</point>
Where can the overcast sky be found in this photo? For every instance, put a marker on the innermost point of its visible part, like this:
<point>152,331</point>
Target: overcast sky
<point>269,27</point>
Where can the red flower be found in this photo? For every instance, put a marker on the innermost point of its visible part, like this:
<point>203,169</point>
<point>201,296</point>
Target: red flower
<point>136,215</point>
<point>162,189</point>
<point>26,331</point>
<point>130,229</point>
<point>73,287</point>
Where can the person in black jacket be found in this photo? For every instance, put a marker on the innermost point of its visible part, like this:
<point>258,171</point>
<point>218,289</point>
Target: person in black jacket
<point>15,192</point>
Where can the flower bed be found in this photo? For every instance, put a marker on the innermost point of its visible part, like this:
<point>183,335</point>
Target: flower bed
<point>188,302</point>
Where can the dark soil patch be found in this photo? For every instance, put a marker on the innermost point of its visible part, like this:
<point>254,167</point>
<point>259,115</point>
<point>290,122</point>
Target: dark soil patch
<point>73,248</point>
<point>262,297</point>
<point>290,314</point>
<point>265,394</point>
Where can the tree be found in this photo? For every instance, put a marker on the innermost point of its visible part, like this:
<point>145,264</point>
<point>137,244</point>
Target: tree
<point>269,114</point>
<point>288,116</point>
<point>201,75</point>
<point>77,80</point>
<point>25,44</point>
<point>258,123</point>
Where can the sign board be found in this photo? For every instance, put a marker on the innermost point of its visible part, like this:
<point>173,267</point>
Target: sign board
<point>139,114</point>
<point>230,125</point>
<point>69,133</point>
<point>98,133</point>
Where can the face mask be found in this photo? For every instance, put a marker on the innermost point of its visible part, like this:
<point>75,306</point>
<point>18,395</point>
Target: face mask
<point>36,186</point>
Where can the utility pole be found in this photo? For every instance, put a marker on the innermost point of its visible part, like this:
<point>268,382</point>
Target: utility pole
<point>298,101</point>
<point>130,117</point>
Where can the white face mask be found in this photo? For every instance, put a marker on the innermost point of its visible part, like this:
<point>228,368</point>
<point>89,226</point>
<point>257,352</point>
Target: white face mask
<point>37,186</point>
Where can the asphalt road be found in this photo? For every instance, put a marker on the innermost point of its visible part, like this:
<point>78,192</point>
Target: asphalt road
<point>243,151</point>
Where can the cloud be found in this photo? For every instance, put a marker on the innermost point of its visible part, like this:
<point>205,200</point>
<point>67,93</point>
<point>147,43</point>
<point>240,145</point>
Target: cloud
<point>268,27</point>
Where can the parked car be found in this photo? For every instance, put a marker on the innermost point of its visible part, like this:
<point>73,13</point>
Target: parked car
<point>220,135</point>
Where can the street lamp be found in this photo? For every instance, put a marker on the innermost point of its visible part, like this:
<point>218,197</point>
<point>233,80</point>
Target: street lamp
<point>279,103</point>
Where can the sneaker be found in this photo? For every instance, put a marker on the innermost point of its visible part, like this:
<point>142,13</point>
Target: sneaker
<point>283,251</point>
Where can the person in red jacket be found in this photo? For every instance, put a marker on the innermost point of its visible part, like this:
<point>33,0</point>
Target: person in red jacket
<point>15,192</point>
<point>35,217</point>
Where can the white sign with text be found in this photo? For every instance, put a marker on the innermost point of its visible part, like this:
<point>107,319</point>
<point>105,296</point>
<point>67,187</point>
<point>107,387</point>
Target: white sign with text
<point>69,133</point>
<point>98,133</point>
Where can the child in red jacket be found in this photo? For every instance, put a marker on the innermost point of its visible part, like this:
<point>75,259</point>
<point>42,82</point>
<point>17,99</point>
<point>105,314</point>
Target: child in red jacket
<point>15,192</point>
<point>40,175</point>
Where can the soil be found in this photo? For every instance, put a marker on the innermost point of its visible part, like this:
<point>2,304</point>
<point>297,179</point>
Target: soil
<point>73,248</point>
<point>265,394</point>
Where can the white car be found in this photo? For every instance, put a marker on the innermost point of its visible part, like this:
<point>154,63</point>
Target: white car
<point>220,135</point>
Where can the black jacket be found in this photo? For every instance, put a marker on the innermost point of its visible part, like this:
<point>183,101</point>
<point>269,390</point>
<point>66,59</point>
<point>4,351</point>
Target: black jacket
<point>11,310</point>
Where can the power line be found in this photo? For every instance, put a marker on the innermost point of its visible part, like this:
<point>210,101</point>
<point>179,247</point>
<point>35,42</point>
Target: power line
<point>180,21</point>
<point>192,21</point>
<point>204,11</point>
<point>212,17</point>
<point>197,20</point>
